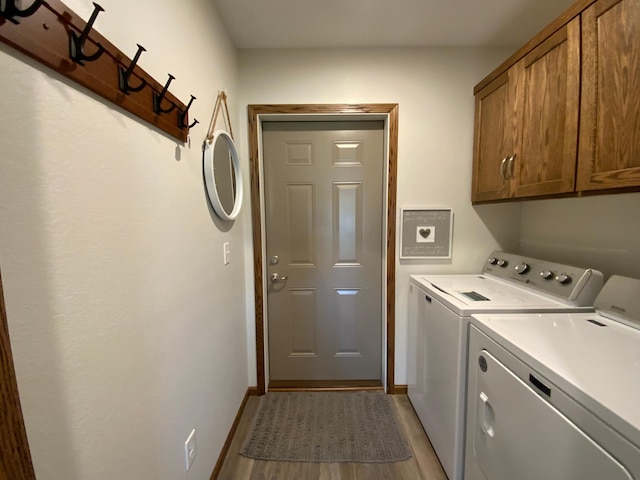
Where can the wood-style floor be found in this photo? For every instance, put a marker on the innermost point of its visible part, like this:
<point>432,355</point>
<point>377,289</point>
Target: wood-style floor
<point>423,465</point>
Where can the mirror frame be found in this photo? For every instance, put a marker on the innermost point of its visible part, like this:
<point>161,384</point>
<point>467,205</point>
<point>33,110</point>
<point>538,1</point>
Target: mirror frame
<point>208,148</point>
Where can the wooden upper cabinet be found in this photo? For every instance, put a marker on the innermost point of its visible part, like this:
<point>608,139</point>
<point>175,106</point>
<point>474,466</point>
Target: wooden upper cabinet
<point>562,114</point>
<point>495,138</point>
<point>546,158</point>
<point>526,125</point>
<point>609,154</point>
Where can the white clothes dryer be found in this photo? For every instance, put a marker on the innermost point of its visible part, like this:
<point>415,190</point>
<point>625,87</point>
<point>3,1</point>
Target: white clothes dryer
<point>556,396</point>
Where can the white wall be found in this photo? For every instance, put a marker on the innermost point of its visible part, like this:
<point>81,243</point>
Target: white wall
<point>434,90</point>
<point>600,232</point>
<point>126,328</point>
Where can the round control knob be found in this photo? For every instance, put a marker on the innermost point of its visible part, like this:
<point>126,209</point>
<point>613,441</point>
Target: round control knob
<point>522,268</point>
<point>502,263</point>
<point>546,274</point>
<point>492,260</point>
<point>563,278</point>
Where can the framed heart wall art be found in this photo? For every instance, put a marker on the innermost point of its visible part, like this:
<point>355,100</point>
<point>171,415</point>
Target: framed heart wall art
<point>426,233</point>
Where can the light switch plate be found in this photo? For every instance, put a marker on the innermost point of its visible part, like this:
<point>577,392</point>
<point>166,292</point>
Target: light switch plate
<point>190,449</point>
<point>227,253</point>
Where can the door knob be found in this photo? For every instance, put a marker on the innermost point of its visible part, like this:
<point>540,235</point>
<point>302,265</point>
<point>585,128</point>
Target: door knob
<point>277,278</point>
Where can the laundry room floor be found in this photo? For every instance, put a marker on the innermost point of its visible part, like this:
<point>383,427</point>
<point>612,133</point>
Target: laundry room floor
<point>423,465</point>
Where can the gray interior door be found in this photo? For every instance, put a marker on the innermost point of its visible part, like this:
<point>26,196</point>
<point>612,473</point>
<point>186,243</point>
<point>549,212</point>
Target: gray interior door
<point>323,222</point>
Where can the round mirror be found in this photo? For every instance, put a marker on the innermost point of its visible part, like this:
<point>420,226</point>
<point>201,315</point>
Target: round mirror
<point>222,175</point>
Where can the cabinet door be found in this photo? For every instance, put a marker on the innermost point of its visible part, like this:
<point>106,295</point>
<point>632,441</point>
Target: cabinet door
<point>609,155</point>
<point>546,160</point>
<point>496,132</point>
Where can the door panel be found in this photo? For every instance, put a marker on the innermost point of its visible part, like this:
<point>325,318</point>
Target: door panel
<point>302,323</point>
<point>347,223</point>
<point>347,322</point>
<point>300,228</point>
<point>324,210</point>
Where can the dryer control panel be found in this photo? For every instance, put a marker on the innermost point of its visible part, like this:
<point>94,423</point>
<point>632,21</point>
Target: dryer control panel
<point>578,286</point>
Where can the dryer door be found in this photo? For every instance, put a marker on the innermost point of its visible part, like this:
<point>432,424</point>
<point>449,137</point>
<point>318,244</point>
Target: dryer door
<point>516,434</point>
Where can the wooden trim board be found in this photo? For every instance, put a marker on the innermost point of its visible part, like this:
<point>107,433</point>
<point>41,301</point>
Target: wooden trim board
<point>324,385</point>
<point>254,112</point>
<point>251,391</point>
<point>15,461</point>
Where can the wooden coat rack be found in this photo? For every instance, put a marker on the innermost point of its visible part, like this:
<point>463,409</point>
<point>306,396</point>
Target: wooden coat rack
<point>49,32</point>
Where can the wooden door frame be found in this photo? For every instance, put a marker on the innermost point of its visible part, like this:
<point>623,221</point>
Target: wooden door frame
<point>334,111</point>
<point>16,460</point>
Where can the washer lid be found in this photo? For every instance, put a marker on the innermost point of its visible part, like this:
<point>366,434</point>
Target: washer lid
<point>469,294</point>
<point>592,358</point>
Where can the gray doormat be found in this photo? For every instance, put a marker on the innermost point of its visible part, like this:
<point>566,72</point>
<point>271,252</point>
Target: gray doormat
<point>326,427</point>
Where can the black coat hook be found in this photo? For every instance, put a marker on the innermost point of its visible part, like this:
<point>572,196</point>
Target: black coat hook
<point>76,43</point>
<point>123,75</point>
<point>157,99</point>
<point>9,10</point>
<point>183,116</point>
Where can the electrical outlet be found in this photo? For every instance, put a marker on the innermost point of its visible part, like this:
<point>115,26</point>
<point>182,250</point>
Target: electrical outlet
<point>226,248</point>
<point>190,449</point>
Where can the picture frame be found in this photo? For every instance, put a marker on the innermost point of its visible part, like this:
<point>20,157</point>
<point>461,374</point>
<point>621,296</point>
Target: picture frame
<point>426,233</point>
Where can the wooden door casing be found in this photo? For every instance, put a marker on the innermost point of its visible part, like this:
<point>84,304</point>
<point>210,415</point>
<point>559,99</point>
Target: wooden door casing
<point>15,460</point>
<point>256,113</point>
<point>609,151</point>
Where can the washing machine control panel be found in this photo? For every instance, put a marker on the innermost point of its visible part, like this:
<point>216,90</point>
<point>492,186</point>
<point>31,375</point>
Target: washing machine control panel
<point>573,284</point>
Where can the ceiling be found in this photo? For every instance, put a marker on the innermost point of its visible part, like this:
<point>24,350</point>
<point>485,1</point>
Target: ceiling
<point>385,23</point>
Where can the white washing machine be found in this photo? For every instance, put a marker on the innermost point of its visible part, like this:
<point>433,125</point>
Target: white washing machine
<point>557,396</point>
<point>441,307</point>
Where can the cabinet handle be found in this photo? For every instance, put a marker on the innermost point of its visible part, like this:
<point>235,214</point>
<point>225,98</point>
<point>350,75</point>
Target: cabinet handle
<point>427,298</point>
<point>502,165</point>
<point>510,169</point>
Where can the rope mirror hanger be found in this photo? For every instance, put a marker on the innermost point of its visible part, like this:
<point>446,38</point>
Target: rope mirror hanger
<point>221,165</point>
